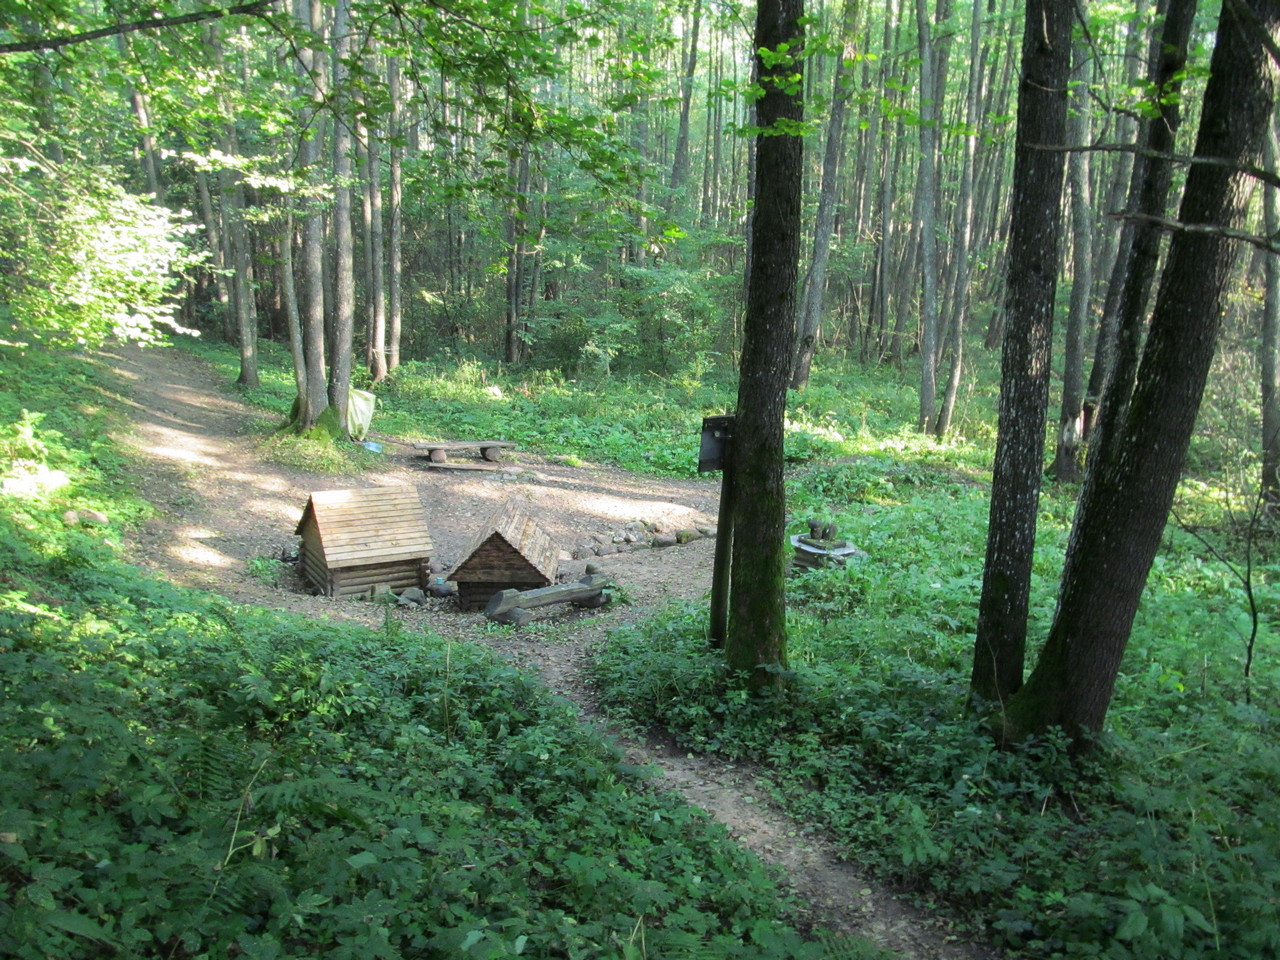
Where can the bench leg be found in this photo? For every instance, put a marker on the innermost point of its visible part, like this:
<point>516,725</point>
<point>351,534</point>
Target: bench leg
<point>438,456</point>
<point>492,454</point>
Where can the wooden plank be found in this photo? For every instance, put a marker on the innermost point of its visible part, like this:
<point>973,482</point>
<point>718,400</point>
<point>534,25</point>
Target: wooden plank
<point>395,530</point>
<point>364,497</point>
<point>460,466</point>
<point>352,513</point>
<point>366,556</point>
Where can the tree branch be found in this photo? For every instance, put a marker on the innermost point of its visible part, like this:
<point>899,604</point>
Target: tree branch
<point>1209,229</point>
<point>1268,177</point>
<point>55,43</point>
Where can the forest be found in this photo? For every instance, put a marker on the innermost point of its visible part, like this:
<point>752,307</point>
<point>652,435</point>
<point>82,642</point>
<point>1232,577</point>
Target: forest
<point>989,286</point>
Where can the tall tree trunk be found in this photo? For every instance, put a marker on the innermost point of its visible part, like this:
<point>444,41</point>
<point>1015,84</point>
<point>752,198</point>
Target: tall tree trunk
<point>999,649</point>
<point>375,257</point>
<point>344,293</point>
<point>395,253</point>
<point>142,114</point>
<point>293,316</point>
<point>1066,464</point>
<point>1270,358</point>
<point>1128,492</point>
<point>1148,193</point>
<point>314,83</point>
<point>927,194</point>
<point>964,225</point>
<point>680,165</point>
<point>235,229</point>
<point>878,315</point>
<point>517,227</point>
<point>213,238</point>
<point>1120,339</point>
<point>816,279</point>
<point>757,637</point>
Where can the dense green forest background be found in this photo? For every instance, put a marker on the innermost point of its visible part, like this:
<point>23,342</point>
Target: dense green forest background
<point>423,199</point>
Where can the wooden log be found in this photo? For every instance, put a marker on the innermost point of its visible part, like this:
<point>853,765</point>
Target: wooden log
<point>507,600</point>
<point>516,617</point>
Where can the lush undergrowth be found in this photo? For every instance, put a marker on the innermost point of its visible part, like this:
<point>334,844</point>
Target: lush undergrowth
<point>183,779</point>
<point>1164,845</point>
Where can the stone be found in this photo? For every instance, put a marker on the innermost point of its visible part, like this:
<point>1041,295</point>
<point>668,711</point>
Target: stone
<point>686,536</point>
<point>411,596</point>
<point>706,529</point>
<point>93,516</point>
<point>663,540</point>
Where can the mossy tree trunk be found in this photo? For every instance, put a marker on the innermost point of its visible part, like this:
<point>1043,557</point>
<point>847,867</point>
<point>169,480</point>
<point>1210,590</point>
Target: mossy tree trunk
<point>757,636</point>
<point>1129,491</point>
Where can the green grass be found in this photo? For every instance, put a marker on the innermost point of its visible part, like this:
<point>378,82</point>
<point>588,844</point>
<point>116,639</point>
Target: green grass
<point>645,423</point>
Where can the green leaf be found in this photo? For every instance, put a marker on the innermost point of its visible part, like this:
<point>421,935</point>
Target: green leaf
<point>365,859</point>
<point>1132,926</point>
<point>79,924</point>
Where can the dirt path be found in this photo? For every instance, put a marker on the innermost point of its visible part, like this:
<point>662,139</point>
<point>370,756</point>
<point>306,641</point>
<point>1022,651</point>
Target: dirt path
<point>221,505</point>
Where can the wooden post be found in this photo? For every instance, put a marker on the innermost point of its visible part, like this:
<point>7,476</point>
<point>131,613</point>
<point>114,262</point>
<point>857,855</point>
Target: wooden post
<point>717,453</point>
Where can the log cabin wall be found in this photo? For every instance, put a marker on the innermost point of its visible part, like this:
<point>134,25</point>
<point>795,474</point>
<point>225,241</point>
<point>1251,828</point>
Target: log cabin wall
<point>510,552</point>
<point>356,540</point>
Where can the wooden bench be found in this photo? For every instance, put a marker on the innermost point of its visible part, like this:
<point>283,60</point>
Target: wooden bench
<point>437,452</point>
<point>515,606</point>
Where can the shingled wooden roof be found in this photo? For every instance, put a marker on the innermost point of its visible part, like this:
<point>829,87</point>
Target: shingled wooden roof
<point>368,525</point>
<point>509,537</point>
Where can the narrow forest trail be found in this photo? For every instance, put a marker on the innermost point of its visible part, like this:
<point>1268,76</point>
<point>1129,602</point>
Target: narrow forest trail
<point>220,504</point>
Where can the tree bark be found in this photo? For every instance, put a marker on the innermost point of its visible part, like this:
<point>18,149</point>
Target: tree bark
<point>1128,492</point>
<point>1270,358</point>
<point>344,292</point>
<point>313,80</point>
<point>1121,336</point>
<point>395,245</point>
<point>757,637</point>
<point>816,279</point>
<point>688,66</point>
<point>375,256</point>
<point>964,226</point>
<point>999,649</point>
<point>1066,464</point>
<point>927,193</point>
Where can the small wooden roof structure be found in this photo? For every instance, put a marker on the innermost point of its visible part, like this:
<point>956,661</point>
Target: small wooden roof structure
<point>368,534</point>
<point>511,551</point>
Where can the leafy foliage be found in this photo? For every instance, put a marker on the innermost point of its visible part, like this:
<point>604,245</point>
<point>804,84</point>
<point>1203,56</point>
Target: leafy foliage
<point>183,778</point>
<point>1162,846</point>
<point>85,259</point>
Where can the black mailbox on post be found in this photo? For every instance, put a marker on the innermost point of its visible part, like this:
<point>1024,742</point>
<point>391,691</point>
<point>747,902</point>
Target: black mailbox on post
<point>716,432</point>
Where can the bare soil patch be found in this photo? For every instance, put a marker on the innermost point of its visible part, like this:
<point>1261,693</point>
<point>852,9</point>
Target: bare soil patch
<point>220,504</point>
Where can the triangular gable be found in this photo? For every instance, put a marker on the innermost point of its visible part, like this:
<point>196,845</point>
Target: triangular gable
<point>521,544</point>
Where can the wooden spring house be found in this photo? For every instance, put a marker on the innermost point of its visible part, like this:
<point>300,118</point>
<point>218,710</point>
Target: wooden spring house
<point>510,552</point>
<point>356,540</point>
